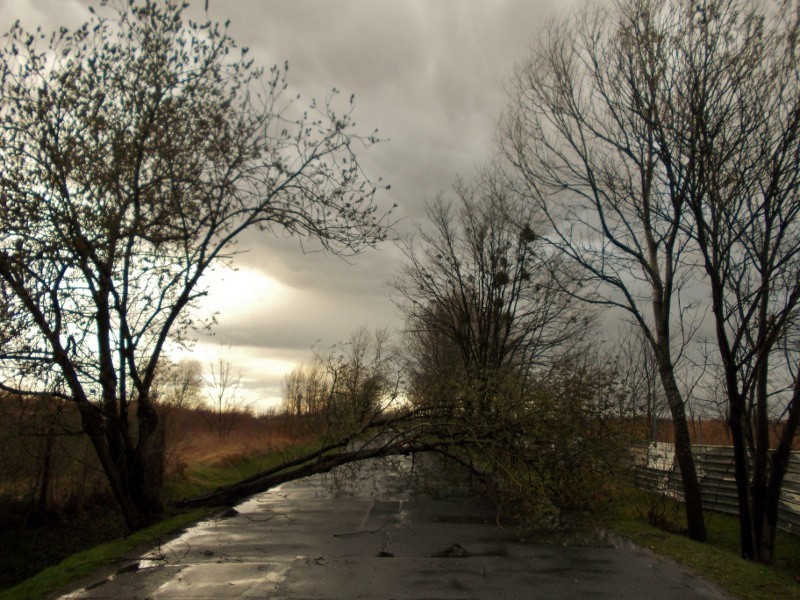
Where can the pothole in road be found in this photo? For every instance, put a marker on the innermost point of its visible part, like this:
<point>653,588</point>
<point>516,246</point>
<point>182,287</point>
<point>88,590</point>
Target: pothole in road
<point>131,568</point>
<point>458,551</point>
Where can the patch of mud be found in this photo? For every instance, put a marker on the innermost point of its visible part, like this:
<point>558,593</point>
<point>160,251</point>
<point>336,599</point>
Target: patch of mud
<point>462,519</point>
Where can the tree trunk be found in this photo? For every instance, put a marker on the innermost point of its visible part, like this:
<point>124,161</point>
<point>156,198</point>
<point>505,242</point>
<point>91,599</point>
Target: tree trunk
<point>44,480</point>
<point>693,501</point>
<point>779,462</point>
<point>742,476</point>
<point>766,539</point>
<point>117,480</point>
<point>761,460</point>
<point>146,471</point>
<point>310,464</point>
<point>769,524</point>
<point>758,492</point>
<point>133,505</point>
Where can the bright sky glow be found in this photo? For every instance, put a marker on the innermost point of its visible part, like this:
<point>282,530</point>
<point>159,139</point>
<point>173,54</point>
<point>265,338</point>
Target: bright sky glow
<point>429,74</point>
<point>238,295</point>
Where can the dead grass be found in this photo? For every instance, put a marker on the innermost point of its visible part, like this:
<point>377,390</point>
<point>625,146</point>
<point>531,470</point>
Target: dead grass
<point>711,432</point>
<point>192,437</point>
<point>33,429</point>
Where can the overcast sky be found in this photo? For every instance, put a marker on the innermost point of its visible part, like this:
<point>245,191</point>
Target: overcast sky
<point>429,74</point>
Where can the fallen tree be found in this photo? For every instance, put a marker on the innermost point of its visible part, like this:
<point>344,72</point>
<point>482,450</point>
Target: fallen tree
<point>396,434</point>
<point>550,447</point>
<point>313,463</point>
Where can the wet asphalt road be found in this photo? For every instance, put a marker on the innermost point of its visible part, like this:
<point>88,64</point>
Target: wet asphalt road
<point>370,535</point>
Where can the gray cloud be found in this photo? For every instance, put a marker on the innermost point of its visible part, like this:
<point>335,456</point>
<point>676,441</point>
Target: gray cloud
<point>305,320</point>
<point>428,74</point>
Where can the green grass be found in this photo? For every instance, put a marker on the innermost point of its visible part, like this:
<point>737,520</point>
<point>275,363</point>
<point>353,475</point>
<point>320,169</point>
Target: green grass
<point>719,559</point>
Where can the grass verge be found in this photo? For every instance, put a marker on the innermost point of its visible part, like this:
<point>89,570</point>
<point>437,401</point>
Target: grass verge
<point>205,476</point>
<point>197,479</point>
<point>84,563</point>
<point>719,559</point>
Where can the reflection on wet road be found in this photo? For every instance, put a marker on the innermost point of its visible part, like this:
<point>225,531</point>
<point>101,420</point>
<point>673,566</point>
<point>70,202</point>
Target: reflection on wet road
<point>368,535</point>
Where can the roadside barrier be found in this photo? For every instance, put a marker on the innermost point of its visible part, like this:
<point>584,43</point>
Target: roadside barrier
<point>656,470</point>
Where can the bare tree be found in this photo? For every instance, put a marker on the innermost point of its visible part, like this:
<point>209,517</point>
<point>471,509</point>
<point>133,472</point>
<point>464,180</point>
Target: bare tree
<point>305,388</point>
<point>178,384</point>
<point>479,295</point>
<point>223,388</point>
<point>348,386</point>
<point>583,133</point>
<point>135,150</point>
<point>740,94</point>
<point>497,350</point>
<point>640,393</point>
<point>362,380</point>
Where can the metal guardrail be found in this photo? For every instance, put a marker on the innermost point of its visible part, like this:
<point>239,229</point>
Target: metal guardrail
<point>656,470</point>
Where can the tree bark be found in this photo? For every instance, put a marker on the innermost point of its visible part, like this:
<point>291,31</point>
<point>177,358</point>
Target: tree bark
<point>779,462</point>
<point>115,472</point>
<point>44,480</point>
<point>147,467</point>
<point>693,501</point>
<point>742,477</point>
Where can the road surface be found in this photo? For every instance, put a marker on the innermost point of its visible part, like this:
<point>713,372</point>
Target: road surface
<point>370,534</point>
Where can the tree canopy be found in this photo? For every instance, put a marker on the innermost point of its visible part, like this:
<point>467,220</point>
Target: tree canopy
<point>135,151</point>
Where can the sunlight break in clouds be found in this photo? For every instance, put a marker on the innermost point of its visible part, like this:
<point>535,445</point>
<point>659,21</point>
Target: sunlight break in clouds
<point>429,74</point>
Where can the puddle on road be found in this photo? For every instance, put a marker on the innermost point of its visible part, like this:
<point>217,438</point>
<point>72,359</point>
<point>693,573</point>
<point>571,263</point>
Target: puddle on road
<point>133,567</point>
<point>463,519</point>
<point>578,538</point>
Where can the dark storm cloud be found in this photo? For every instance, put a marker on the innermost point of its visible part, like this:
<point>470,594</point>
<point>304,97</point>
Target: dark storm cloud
<point>428,74</point>
<point>430,77</point>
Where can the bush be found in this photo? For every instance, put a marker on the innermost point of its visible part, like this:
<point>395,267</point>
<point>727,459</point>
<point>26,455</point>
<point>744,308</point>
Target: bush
<point>560,448</point>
